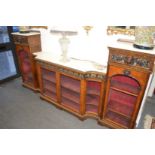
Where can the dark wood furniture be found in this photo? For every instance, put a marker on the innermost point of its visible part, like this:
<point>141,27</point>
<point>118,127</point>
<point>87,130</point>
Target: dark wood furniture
<point>26,44</point>
<point>78,92</point>
<point>127,78</point>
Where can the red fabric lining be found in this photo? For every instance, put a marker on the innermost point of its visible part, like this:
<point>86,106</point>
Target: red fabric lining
<point>126,80</point>
<point>117,118</point>
<point>122,98</point>
<point>94,85</point>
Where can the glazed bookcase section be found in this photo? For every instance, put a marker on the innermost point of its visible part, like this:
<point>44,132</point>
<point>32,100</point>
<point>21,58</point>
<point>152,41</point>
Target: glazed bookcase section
<point>122,99</point>
<point>26,67</point>
<point>93,96</point>
<point>26,44</point>
<point>70,93</point>
<point>49,84</point>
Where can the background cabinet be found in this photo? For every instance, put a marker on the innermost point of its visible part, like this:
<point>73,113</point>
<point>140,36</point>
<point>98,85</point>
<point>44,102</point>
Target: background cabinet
<point>128,74</point>
<point>26,44</point>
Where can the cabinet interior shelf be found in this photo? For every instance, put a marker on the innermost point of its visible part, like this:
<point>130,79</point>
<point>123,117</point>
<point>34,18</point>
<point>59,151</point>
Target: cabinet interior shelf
<point>91,109</point>
<point>125,84</point>
<point>122,98</point>
<point>49,94</point>
<point>123,115</point>
<point>92,100</point>
<point>117,119</point>
<point>123,91</point>
<point>48,83</point>
<point>50,89</point>
<point>121,109</point>
<point>70,84</point>
<point>70,104</point>
<point>49,78</point>
<point>70,95</point>
<point>93,92</point>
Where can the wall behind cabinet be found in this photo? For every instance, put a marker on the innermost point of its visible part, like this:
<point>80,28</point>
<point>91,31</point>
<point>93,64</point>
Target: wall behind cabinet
<point>91,47</point>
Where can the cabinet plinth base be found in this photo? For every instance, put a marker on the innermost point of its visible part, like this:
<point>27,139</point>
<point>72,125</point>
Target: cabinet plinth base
<point>31,87</point>
<point>110,124</point>
<point>91,115</point>
<point>60,106</point>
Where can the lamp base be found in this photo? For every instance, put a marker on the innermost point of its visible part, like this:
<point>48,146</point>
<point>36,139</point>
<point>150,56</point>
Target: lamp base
<point>142,47</point>
<point>64,42</point>
<point>64,59</point>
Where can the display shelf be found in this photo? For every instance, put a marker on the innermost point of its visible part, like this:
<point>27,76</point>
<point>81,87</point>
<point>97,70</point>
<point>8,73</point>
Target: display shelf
<point>122,98</point>
<point>93,87</point>
<point>71,95</point>
<point>91,108</point>
<point>123,91</point>
<point>70,83</point>
<point>92,99</point>
<point>93,92</point>
<point>49,75</point>
<point>50,94</point>
<point>126,84</point>
<point>93,96</point>
<point>70,104</point>
<point>118,119</point>
<point>49,86</point>
<point>119,108</point>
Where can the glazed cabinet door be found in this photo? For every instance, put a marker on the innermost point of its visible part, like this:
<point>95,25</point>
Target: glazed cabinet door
<point>93,97</point>
<point>25,64</point>
<point>123,96</point>
<point>70,92</point>
<point>48,79</point>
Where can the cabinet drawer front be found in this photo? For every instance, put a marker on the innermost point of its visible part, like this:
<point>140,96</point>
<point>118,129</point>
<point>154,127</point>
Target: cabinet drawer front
<point>142,77</point>
<point>20,39</point>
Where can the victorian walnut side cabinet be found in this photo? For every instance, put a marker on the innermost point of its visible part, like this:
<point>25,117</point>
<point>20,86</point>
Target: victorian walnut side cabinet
<point>127,78</point>
<point>26,44</point>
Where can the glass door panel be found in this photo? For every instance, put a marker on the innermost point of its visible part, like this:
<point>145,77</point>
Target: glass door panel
<point>4,36</point>
<point>70,93</point>
<point>122,99</point>
<point>7,65</point>
<point>93,96</point>
<point>8,59</point>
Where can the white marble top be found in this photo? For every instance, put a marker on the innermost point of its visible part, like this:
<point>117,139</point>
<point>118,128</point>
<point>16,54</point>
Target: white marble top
<point>25,34</point>
<point>77,64</point>
<point>124,45</point>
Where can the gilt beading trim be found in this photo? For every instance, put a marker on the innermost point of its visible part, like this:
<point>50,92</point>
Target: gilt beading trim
<point>130,60</point>
<point>81,75</point>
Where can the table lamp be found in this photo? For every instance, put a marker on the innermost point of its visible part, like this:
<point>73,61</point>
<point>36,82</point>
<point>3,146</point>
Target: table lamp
<point>64,42</point>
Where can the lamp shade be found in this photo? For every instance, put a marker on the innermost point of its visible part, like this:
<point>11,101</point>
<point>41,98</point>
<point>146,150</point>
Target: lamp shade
<point>64,33</point>
<point>64,42</point>
<point>144,37</point>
